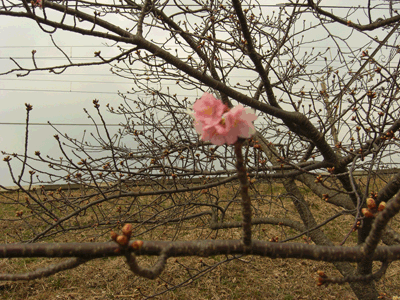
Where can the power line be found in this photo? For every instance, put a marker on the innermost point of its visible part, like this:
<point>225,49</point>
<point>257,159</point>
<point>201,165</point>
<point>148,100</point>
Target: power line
<point>59,91</point>
<point>66,46</point>
<point>54,57</point>
<point>244,5</point>
<point>74,124</point>
<point>88,92</point>
<point>64,74</point>
<point>84,58</point>
<point>30,79</point>
<point>57,124</point>
<point>68,81</point>
<point>95,92</point>
<point>115,47</point>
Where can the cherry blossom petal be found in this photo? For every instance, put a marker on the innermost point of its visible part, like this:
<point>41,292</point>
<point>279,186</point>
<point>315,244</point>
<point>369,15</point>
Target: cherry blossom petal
<point>219,125</point>
<point>209,110</point>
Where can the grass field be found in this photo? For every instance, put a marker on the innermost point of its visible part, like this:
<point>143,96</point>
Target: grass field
<point>248,277</point>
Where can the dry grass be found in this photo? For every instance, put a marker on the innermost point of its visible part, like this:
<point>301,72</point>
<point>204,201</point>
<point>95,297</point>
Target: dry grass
<point>249,277</point>
<point>254,278</point>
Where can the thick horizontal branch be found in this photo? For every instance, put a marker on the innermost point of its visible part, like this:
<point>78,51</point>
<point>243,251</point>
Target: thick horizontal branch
<point>368,27</point>
<point>200,248</point>
<point>45,272</point>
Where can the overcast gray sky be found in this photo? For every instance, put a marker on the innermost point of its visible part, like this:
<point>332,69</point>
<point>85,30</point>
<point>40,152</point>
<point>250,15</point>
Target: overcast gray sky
<point>55,98</point>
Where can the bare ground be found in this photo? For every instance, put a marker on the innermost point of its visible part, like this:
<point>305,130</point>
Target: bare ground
<point>248,277</point>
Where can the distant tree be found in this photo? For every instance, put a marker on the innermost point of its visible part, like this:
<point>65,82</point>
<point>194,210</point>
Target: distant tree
<point>328,122</point>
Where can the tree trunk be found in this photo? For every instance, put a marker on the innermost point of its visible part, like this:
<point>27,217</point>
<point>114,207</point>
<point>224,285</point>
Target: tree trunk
<point>363,290</point>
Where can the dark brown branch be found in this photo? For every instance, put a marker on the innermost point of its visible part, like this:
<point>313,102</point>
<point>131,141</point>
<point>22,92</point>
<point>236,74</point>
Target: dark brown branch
<point>46,271</point>
<point>368,27</point>
<point>200,248</point>
<point>244,191</point>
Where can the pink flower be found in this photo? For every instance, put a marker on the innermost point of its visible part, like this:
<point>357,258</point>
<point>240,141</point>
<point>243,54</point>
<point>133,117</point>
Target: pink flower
<point>209,110</point>
<point>214,134</point>
<point>216,123</point>
<point>239,122</point>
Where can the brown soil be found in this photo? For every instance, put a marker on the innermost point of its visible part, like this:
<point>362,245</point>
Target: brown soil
<point>248,277</point>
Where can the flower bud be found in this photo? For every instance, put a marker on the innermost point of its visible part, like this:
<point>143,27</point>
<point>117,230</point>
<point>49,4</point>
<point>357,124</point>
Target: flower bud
<point>136,245</point>
<point>127,230</point>
<point>122,240</point>
<point>371,203</point>
<point>114,235</point>
<point>381,206</point>
<point>367,213</point>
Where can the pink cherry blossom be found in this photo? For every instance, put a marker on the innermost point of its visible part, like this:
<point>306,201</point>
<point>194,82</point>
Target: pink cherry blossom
<point>208,110</point>
<point>219,125</point>
<point>239,121</point>
<point>214,134</point>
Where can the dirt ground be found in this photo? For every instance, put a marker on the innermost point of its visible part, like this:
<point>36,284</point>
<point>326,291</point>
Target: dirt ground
<point>248,278</point>
<point>217,277</point>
